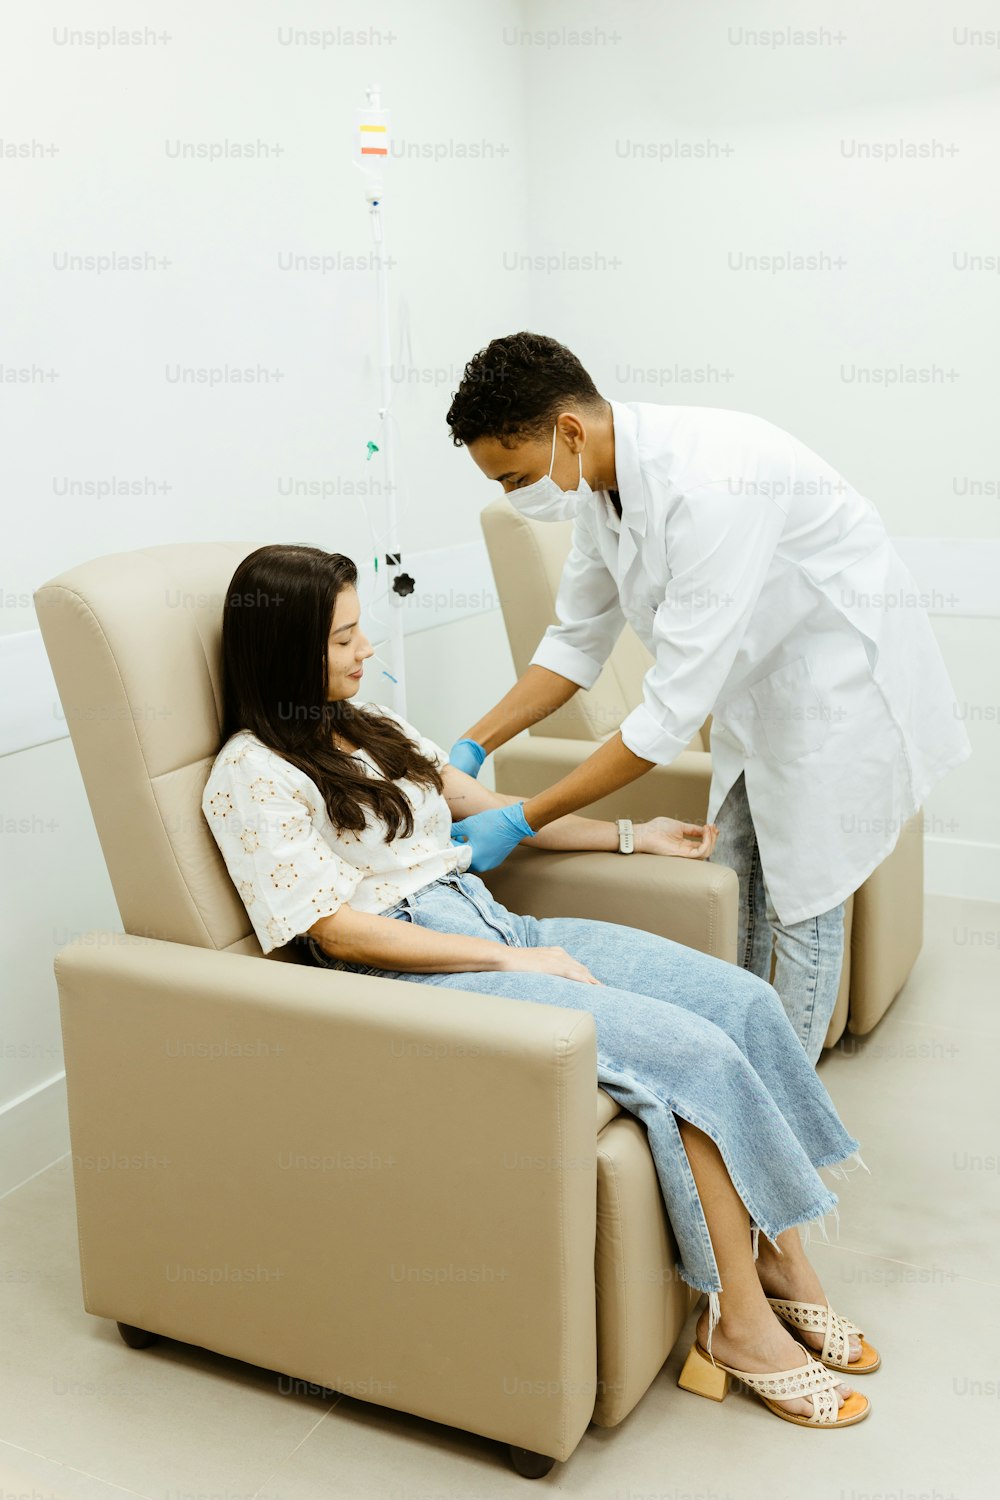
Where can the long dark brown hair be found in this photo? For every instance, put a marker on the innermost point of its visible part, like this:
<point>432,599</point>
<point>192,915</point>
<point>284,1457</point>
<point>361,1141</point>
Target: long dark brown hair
<point>275,634</point>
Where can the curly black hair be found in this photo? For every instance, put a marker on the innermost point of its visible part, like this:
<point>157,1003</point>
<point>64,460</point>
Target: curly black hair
<point>514,388</point>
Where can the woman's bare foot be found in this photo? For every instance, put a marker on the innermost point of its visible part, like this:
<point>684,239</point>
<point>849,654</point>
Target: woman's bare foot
<point>761,1347</point>
<point>791,1277</point>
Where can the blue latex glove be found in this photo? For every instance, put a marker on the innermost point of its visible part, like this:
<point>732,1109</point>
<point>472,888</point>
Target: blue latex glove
<point>492,834</point>
<point>467,756</point>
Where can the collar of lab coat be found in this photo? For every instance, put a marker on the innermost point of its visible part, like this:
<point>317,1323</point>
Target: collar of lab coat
<point>631,492</point>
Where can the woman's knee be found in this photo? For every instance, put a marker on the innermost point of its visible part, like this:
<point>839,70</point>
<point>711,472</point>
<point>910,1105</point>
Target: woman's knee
<point>764,1014</point>
<point>753,993</point>
<point>704,1049</point>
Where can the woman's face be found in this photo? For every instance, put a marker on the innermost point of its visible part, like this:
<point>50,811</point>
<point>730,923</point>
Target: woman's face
<point>348,647</point>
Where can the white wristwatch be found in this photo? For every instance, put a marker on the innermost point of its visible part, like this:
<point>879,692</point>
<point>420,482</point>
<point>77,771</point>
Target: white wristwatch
<point>626,840</point>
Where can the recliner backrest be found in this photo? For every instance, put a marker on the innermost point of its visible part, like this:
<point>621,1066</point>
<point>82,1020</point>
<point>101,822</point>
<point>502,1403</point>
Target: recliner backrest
<point>134,641</point>
<point>527,558</point>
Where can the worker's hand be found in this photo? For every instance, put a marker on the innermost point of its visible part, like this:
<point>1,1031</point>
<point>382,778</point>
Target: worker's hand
<point>467,756</point>
<point>668,836</point>
<point>492,834</point>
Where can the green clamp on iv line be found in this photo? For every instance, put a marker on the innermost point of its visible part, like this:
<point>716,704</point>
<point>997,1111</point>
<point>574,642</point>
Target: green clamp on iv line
<point>373,449</point>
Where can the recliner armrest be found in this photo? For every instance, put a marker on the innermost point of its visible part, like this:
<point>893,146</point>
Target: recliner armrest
<point>378,1186</point>
<point>531,763</point>
<point>687,900</point>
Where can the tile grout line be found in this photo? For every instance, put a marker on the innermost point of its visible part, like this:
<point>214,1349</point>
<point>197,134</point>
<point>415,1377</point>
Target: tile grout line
<point>893,1260</point>
<point>72,1469</point>
<point>292,1451</point>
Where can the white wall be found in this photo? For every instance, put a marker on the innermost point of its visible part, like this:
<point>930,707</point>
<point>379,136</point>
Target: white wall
<point>679,142</point>
<point>221,454</point>
<point>554,118</point>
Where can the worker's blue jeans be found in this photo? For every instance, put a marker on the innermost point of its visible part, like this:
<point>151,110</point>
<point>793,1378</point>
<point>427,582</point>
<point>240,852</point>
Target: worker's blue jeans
<point>808,955</point>
<point>679,1033</point>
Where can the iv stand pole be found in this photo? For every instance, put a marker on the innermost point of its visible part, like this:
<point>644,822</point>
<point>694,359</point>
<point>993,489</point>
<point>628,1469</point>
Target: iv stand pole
<point>393,559</point>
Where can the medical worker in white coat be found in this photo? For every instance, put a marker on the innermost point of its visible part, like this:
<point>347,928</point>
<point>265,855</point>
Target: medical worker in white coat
<point>769,595</point>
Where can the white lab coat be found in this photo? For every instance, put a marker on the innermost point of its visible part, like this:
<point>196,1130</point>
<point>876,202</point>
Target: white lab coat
<point>769,594</point>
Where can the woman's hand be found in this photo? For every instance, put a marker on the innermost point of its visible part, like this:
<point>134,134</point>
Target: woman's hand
<point>668,836</point>
<point>547,961</point>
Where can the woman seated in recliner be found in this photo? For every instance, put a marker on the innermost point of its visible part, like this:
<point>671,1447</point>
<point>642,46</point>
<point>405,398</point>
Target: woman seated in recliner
<point>334,820</point>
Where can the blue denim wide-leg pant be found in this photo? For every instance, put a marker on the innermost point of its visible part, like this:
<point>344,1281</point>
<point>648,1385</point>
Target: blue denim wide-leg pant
<point>809,955</point>
<point>679,1033</point>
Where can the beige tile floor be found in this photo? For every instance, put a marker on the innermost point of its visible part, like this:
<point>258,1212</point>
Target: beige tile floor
<point>916,1265</point>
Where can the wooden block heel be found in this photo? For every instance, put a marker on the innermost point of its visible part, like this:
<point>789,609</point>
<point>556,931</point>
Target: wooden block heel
<point>812,1379</point>
<point>703,1378</point>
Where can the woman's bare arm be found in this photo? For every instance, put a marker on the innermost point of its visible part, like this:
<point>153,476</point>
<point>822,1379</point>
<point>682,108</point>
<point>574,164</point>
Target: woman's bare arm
<point>465,796</point>
<point>662,835</point>
<point>361,937</point>
<point>385,943</point>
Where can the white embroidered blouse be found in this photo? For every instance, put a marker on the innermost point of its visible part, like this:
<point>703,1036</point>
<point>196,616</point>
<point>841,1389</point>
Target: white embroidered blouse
<point>287,861</point>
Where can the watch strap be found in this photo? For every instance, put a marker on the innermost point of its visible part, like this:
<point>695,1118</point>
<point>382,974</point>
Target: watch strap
<point>626,837</point>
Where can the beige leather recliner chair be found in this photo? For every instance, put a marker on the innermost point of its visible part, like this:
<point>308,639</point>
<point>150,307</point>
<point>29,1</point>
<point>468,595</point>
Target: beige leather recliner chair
<point>423,1200</point>
<point>883,920</point>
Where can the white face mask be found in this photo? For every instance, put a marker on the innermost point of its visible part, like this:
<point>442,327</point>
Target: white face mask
<point>545,501</point>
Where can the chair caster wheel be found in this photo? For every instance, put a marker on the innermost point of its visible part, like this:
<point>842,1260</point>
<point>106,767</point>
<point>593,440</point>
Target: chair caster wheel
<point>136,1338</point>
<point>528,1464</point>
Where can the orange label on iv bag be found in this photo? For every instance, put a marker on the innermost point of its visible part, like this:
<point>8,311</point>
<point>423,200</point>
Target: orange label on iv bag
<point>371,135</point>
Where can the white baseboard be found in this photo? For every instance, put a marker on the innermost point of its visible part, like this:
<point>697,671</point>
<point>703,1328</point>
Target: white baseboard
<point>34,1133</point>
<point>958,867</point>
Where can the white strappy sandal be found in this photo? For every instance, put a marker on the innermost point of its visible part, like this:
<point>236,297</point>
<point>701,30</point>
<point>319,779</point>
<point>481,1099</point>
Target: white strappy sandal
<point>706,1376</point>
<point>811,1317</point>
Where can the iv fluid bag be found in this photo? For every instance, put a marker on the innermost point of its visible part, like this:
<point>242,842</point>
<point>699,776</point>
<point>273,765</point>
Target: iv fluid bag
<point>371,138</point>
